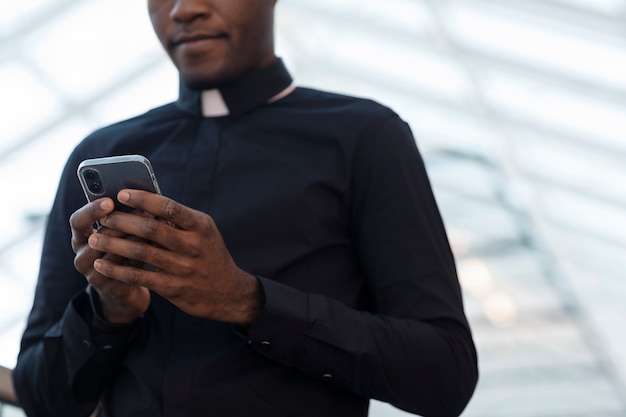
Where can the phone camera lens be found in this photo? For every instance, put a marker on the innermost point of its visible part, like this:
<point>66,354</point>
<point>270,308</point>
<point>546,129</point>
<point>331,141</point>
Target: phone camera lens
<point>95,187</point>
<point>93,181</point>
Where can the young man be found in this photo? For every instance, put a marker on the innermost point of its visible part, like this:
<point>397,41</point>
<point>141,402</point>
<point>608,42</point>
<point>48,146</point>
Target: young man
<point>299,263</point>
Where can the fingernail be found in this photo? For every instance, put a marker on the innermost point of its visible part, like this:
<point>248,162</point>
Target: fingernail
<point>105,205</point>
<point>97,264</point>
<point>123,196</point>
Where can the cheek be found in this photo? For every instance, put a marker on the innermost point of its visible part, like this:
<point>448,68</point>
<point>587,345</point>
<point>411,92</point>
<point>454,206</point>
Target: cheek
<point>159,27</point>
<point>159,11</point>
<point>257,37</point>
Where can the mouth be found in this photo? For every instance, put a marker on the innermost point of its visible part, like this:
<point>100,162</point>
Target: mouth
<point>188,38</point>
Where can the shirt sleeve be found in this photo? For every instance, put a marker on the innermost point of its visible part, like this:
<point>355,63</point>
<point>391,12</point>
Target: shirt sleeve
<point>65,344</point>
<point>414,348</point>
<point>55,376</point>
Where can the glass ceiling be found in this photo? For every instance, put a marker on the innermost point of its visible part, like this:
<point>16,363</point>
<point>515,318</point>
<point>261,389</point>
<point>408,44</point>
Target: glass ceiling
<point>518,106</point>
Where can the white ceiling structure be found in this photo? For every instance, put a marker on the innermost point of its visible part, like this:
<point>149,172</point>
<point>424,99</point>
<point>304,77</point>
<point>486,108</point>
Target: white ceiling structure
<point>518,106</point>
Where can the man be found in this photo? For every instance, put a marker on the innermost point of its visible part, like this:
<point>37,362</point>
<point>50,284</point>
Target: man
<point>298,263</point>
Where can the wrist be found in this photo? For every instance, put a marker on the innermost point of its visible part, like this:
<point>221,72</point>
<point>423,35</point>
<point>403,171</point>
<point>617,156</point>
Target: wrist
<point>253,301</point>
<point>99,322</point>
<point>111,311</point>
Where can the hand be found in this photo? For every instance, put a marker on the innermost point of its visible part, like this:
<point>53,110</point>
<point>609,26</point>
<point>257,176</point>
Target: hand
<point>192,266</point>
<point>121,302</point>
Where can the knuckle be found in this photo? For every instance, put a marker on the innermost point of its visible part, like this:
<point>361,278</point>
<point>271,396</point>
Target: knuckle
<point>170,208</point>
<point>134,276</point>
<point>84,216</point>
<point>139,251</point>
<point>74,220</point>
<point>194,252</point>
<point>79,265</point>
<point>106,269</point>
<point>174,289</point>
<point>110,220</point>
<point>209,228</point>
<point>193,247</point>
<point>159,260</point>
<point>76,244</point>
<point>102,242</point>
<point>185,268</point>
<point>150,227</point>
<point>83,262</point>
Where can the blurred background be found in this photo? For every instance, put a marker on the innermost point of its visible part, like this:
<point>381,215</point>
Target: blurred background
<point>519,109</point>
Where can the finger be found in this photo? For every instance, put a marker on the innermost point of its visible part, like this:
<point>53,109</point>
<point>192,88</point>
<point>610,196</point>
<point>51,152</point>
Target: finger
<point>85,256</point>
<point>151,229</point>
<point>82,220</point>
<point>134,250</point>
<point>161,207</point>
<point>84,217</point>
<point>127,274</point>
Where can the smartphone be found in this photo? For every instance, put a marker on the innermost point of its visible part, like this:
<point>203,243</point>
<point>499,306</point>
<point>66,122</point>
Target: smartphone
<point>105,177</point>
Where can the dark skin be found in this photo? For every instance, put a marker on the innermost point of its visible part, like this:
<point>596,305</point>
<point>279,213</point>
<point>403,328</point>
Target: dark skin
<point>213,41</point>
<point>194,269</point>
<point>210,42</point>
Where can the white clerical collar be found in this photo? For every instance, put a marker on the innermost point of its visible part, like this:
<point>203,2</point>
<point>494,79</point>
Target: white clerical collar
<point>213,104</point>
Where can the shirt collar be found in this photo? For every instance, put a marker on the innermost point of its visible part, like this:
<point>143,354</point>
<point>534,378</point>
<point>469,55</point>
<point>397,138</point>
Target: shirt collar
<point>237,97</point>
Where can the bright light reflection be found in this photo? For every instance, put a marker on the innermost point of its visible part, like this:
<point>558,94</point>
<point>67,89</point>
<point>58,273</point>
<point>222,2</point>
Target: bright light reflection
<point>22,97</point>
<point>475,276</point>
<point>15,12</point>
<point>608,7</point>
<point>82,61</point>
<point>460,241</point>
<point>545,105</point>
<point>500,309</point>
<point>528,43</point>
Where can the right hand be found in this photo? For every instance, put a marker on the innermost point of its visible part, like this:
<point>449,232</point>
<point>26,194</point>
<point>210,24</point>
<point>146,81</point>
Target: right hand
<point>121,302</point>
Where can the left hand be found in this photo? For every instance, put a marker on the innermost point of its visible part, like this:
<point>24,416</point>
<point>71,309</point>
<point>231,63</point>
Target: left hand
<point>193,268</point>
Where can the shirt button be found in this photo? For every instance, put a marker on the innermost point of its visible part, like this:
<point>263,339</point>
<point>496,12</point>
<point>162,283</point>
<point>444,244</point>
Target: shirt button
<point>85,343</point>
<point>265,345</point>
<point>327,377</point>
<point>107,347</point>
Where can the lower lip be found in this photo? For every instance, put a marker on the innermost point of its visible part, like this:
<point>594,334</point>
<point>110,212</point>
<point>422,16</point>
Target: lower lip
<point>200,45</point>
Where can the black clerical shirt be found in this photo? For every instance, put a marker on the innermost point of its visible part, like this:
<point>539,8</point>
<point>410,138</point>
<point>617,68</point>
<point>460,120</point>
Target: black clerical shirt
<point>325,199</point>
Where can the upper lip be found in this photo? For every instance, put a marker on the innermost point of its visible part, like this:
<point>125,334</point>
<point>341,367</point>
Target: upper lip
<point>184,37</point>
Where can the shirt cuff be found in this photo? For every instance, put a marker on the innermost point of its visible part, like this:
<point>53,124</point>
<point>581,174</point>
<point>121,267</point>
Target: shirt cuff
<point>81,343</point>
<point>282,322</point>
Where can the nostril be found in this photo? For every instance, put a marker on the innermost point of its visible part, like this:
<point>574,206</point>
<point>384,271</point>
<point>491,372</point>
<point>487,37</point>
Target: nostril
<point>189,10</point>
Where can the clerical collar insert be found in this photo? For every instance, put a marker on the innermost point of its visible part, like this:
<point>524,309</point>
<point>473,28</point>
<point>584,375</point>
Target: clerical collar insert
<point>254,89</point>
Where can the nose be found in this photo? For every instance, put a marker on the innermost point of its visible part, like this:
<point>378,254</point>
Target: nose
<point>189,10</point>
